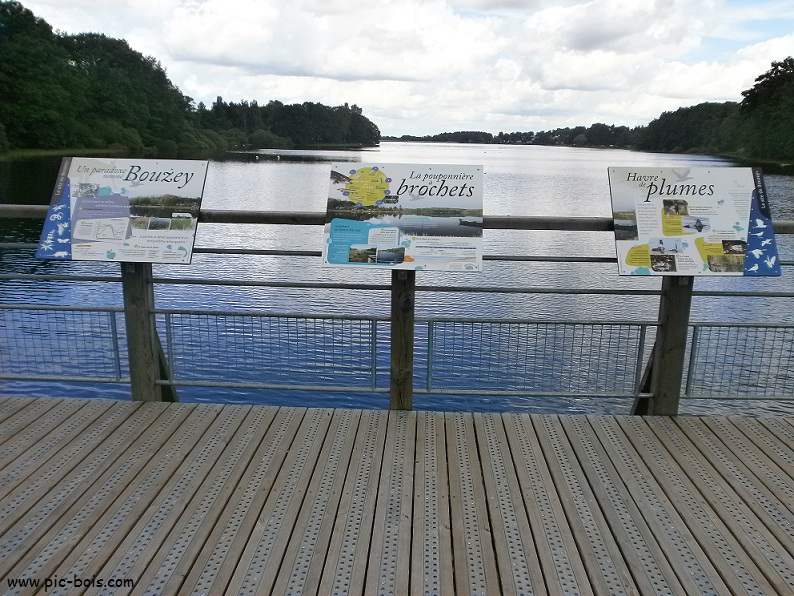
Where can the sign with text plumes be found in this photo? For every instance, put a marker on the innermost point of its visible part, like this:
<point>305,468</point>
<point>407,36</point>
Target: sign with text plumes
<point>692,221</point>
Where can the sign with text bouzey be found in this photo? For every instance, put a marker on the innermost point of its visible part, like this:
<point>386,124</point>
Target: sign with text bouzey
<point>692,221</point>
<point>133,210</point>
<point>402,216</point>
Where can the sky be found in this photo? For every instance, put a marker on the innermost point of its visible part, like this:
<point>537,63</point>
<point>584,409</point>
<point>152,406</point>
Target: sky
<point>421,67</point>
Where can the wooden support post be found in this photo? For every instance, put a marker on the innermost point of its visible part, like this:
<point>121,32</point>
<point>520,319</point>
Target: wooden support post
<point>403,294</point>
<point>669,351</point>
<point>147,360</point>
<point>642,404</point>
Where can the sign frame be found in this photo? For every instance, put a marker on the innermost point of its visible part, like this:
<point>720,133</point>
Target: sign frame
<point>124,210</point>
<point>707,221</point>
<point>404,216</point>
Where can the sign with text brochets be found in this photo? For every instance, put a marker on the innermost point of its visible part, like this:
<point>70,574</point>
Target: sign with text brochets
<point>132,210</point>
<point>402,216</point>
<point>692,221</point>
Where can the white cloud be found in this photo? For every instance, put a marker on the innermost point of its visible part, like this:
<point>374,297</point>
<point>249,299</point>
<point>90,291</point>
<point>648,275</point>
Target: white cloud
<point>426,66</point>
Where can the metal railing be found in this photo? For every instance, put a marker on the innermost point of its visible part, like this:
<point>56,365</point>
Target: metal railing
<point>156,350</point>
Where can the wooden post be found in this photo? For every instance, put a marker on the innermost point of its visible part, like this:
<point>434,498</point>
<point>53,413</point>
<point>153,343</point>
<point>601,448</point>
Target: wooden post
<point>146,357</point>
<point>641,405</point>
<point>669,350</point>
<point>403,294</point>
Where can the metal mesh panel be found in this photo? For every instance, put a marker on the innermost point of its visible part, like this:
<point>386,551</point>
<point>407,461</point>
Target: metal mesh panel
<point>60,343</point>
<point>570,358</point>
<point>271,350</point>
<point>739,360</point>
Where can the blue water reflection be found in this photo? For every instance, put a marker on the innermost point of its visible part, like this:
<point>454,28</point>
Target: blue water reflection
<point>519,181</point>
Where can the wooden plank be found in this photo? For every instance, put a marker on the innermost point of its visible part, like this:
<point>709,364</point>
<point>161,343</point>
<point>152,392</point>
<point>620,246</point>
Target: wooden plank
<point>188,534</point>
<point>665,458</point>
<point>602,454</point>
<point>560,563</point>
<point>123,531</point>
<point>761,482</point>
<point>63,511</point>
<point>305,555</point>
<point>346,561</point>
<point>474,556</point>
<point>11,409</point>
<point>389,566</point>
<point>782,429</point>
<point>185,490</point>
<point>214,565</point>
<point>33,504</point>
<point>432,564</point>
<point>769,457</point>
<point>695,574</point>
<point>10,405</point>
<point>206,499</point>
<point>87,453</point>
<point>31,445</point>
<point>600,553</point>
<point>752,522</point>
<point>516,556</point>
<point>260,561</point>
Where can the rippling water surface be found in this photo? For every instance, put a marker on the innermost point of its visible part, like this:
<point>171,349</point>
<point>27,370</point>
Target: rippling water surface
<point>518,181</point>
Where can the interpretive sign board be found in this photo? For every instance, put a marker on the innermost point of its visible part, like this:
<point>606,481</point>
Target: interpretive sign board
<point>692,221</point>
<point>132,210</point>
<point>403,216</point>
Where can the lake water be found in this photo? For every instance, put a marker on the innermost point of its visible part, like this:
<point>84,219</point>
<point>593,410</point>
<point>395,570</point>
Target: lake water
<point>518,181</point>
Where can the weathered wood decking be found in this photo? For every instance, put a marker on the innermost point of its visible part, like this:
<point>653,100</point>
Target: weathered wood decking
<point>211,499</point>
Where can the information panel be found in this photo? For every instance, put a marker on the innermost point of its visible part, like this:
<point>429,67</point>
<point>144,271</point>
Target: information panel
<point>401,216</point>
<point>135,210</point>
<point>692,221</point>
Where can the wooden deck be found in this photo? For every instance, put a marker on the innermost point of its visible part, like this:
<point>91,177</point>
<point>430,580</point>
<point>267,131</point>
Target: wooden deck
<point>211,499</point>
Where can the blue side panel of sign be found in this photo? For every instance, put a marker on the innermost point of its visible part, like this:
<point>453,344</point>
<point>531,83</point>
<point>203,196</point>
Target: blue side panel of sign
<point>761,256</point>
<point>56,236</point>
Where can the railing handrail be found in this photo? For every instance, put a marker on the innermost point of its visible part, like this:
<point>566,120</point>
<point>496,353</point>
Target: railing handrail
<point>387,287</point>
<point>305,218</point>
<point>146,352</point>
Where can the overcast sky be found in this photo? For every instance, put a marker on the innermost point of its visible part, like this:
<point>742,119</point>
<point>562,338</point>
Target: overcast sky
<point>428,66</point>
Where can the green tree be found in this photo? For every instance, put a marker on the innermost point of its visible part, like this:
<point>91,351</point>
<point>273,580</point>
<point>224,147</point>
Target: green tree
<point>264,139</point>
<point>4,144</point>
<point>687,129</point>
<point>600,135</point>
<point>768,112</point>
<point>127,89</point>
<point>92,90</point>
<point>772,86</point>
<point>41,96</point>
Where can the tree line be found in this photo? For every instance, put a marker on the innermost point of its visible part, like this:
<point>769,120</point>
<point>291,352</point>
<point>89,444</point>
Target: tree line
<point>93,91</point>
<point>761,126</point>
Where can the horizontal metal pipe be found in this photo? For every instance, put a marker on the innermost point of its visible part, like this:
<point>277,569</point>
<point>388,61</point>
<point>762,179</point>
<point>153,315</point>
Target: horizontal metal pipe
<point>59,308</point>
<point>267,284</point>
<point>493,222</point>
<point>44,277</point>
<point>384,287</point>
<point>492,321</point>
<point>65,379</point>
<point>264,315</point>
<point>232,385</point>
<point>529,393</point>
<point>317,253</point>
<point>343,317</point>
<point>598,396</point>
